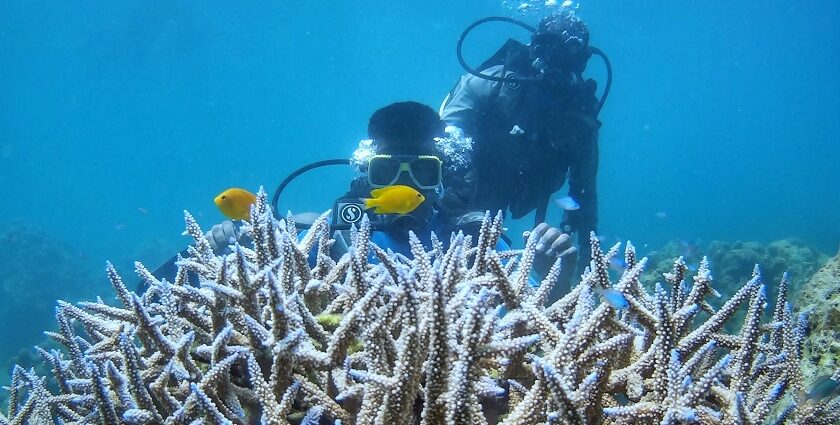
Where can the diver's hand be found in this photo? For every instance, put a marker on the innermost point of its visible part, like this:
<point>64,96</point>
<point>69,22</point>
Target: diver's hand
<point>551,245</point>
<point>222,235</point>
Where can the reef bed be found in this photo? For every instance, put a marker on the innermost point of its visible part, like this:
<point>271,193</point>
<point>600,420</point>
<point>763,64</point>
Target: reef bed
<point>454,334</point>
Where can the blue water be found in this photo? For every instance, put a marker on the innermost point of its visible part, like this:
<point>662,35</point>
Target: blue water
<point>116,116</point>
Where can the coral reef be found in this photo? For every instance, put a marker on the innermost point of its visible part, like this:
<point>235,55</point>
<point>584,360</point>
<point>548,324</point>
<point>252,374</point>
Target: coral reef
<point>454,335</point>
<point>733,262</point>
<point>37,269</point>
<point>820,300</point>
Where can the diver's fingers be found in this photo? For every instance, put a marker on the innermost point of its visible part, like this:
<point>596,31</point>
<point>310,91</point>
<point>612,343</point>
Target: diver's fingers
<point>561,242</point>
<point>217,238</point>
<point>569,254</point>
<point>538,232</point>
<point>229,231</point>
<point>546,242</point>
<point>218,233</point>
<point>211,239</point>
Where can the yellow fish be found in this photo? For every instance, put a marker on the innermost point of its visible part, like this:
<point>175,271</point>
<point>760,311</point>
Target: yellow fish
<point>397,199</point>
<point>235,203</point>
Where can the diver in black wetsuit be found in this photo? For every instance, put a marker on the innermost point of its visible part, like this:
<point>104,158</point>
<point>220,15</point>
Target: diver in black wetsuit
<point>533,121</point>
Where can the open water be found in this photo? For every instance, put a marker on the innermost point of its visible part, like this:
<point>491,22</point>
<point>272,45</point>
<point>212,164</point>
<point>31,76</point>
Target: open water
<point>115,117</point>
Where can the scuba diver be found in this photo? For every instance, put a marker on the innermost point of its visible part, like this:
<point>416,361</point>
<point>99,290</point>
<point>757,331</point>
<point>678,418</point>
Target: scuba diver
<point>404,150</point>
<point>534,123</point>
<point>400,152</point>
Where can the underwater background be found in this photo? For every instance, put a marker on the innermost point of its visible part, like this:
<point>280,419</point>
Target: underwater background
<point>722,123</point>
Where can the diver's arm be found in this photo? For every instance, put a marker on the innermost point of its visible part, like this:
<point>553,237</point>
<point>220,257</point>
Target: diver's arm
<point>583,188</point>
<point>466,108</point>
<point>459,108</point>
<point>465,104</point>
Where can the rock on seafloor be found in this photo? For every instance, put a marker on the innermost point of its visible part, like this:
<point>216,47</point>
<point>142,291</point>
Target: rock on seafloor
<point>820,300</point>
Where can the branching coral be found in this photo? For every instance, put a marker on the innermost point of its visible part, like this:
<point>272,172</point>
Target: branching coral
<point>454,335</point>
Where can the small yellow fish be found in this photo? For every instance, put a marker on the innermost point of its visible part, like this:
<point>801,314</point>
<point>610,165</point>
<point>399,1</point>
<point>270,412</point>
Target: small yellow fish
<point>235,203</point>
<point>397,199</point>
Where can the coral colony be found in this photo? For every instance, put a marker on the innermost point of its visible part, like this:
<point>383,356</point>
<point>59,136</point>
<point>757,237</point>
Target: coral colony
<point>453,335</point>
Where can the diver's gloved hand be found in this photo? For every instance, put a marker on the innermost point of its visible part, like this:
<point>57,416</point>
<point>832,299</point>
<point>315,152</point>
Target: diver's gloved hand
<point>551,245</point>
<point>224,234</point>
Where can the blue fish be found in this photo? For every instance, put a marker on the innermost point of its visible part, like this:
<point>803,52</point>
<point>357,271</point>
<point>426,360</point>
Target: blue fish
<point>689,249</point>
<point>618,264</point>
<point>614,298</point>
<point>567,203</point>
<point>822,387</point>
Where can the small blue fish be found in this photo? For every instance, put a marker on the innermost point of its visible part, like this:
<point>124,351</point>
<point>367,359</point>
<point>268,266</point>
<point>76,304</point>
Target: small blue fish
<point>614,298</point>
<point>689,249</point>
<point>822,387</point>
<point>567,203</point>
<point>618,264</point>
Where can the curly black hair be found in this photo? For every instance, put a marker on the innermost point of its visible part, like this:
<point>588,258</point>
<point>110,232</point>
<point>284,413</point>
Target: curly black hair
<point>567,39</point>
<point>405,126</point>
<point>566,24</point>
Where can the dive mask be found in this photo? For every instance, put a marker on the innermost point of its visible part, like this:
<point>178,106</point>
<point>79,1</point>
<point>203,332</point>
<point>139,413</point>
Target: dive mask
<point>553,51</point>
<point>424,171</point>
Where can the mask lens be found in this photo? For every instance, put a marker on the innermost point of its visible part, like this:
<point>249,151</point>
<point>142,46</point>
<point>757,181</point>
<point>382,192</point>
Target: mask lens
<point>547,40</point>
<point>383,171</point>
<point>426,172</point>
<point>552,48</point>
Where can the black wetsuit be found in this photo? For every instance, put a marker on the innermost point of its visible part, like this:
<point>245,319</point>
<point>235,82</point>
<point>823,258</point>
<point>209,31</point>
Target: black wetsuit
<point>527,140</point>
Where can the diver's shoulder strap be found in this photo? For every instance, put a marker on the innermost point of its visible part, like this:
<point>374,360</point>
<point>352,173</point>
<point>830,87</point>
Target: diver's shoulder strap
<point>509,56</point>
<point>510,53</point>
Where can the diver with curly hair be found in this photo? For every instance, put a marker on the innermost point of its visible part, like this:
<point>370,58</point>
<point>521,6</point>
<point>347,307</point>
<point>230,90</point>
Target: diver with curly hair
<point>403,159</point>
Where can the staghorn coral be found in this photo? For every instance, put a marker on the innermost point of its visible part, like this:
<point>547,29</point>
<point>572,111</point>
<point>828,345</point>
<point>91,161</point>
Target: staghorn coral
<point>453,335</point>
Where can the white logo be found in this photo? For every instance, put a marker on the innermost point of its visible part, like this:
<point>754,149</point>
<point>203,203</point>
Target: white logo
<point>351,213</point>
